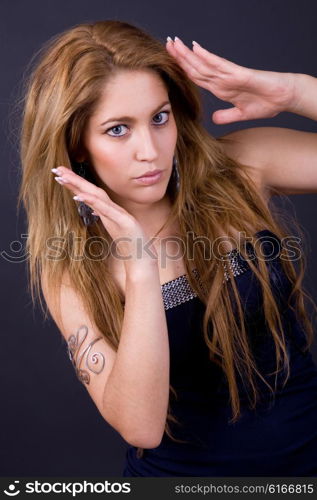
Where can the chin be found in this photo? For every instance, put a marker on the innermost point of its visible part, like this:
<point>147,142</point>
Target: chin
<point>151,195</point>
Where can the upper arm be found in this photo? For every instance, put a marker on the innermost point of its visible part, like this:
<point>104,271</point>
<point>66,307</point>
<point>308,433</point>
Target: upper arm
<point>92,357</point>
<point>284,160</point>
<point>239,146</point>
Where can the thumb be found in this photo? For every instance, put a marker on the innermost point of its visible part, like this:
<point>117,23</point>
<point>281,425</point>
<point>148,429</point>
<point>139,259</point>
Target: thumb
<point>223,116</point>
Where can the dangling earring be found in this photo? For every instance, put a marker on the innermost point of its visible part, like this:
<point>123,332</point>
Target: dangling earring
<point>175,174</point>
<point>84,210</point>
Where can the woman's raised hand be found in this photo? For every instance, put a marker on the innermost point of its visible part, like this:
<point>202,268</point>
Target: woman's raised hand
<point>254,93</point>
<point>123,228</point>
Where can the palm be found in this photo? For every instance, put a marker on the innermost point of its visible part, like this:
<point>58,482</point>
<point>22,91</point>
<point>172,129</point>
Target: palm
<point>254,93</point>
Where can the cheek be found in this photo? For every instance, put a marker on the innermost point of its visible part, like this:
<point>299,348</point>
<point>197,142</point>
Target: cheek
<point>106,156</point>
<point>102,150</point>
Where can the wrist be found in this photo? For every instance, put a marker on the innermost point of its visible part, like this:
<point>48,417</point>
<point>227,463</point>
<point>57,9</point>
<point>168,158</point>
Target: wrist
<point>142,270</point>
<point>298,83</point>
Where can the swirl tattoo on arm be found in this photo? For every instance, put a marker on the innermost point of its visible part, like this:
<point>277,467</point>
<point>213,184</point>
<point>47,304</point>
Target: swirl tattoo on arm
<point>73,345</point>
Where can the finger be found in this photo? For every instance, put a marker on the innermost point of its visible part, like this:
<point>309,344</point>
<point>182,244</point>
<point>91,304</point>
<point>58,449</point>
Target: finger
<point>209,57</point>
<point>68,177</point>
<point>187,67</point>
<point>70,186</point>
<point>187,56</point>
<point>76,183</point>
<point>99,206</point>
<point>170,47</point>
<point>191,70</point>
<point>171,50</point>
<point>223,116</point>
<point>175,51</point>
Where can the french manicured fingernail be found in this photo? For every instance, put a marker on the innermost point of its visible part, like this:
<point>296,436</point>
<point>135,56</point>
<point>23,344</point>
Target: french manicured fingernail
<point>195,43</point>
<point>176,38</point>
<point>169,39</point>
<point>60,180</point>
<point>54,170</point>
<point>78,198</point>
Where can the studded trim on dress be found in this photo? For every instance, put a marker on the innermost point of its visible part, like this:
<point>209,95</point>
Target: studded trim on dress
<point>178,290</point>
<point>235,263</point>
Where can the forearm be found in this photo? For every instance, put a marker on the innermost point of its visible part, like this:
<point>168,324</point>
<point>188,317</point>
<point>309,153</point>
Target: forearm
<point>137,390</point>
<point>304,98</point>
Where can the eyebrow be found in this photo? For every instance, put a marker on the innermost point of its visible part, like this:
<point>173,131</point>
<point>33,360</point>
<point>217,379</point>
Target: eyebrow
<point>130,118</point>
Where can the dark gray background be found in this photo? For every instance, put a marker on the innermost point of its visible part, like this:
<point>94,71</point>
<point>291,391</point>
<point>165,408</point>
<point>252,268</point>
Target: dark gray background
<point>49,425</point>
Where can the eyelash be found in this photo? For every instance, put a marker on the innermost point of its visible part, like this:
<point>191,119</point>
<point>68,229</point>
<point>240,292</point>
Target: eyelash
<point>123,125</point>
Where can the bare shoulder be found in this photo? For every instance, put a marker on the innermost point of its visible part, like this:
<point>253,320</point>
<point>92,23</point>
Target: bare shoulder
<point>244,146</point>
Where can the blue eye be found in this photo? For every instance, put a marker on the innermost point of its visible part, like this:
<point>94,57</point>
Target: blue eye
<point>116,127</point>
<point>161,113</point>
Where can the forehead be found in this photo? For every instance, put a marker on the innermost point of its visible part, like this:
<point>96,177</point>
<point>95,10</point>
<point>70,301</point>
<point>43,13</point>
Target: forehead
<point>128,90</point>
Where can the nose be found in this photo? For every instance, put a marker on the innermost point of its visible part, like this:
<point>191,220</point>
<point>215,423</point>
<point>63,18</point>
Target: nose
<point>146,146</point>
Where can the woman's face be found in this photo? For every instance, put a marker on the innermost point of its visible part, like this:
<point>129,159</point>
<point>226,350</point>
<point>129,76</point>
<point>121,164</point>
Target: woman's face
<point>131,132</point>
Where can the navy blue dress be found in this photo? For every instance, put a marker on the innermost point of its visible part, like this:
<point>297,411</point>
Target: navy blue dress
<point>279,436</point>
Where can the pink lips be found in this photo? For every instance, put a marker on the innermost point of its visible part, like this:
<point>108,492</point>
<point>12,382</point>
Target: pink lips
<point>148,180</point>
<point>149,173</point>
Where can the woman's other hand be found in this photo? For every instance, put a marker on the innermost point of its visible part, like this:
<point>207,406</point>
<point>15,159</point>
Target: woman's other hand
<point>123,228</point>
<point>254,93</point>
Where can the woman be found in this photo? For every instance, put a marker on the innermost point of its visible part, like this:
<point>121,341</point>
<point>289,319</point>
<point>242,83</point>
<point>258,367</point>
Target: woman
<point>192,341</point>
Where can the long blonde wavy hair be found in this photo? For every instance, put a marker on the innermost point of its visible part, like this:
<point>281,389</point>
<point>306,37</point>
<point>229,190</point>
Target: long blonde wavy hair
<point>216,194</point>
